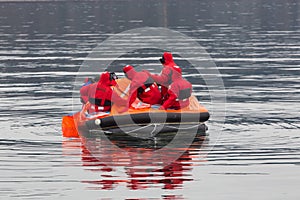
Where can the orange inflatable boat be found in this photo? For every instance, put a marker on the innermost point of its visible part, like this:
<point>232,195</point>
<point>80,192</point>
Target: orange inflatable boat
<point>141,120</point>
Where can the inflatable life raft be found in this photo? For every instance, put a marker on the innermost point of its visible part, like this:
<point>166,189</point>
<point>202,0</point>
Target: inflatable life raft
<point>141,120</point>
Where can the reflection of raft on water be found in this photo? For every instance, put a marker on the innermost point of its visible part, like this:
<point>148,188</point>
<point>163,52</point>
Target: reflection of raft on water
<point>141,120</point>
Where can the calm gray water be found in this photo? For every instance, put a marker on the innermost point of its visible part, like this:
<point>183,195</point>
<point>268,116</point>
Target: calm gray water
<point>256,47</point>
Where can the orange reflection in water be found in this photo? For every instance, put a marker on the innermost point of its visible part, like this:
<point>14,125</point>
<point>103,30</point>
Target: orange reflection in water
<point>130,163</point>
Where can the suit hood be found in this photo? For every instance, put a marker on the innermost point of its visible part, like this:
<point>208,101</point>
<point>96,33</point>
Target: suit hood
<point>106,80</point>
<point>129,71</point>
<point>168,57</point>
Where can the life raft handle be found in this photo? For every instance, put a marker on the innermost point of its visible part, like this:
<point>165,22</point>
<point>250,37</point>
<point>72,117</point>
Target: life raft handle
<point>98,122</point>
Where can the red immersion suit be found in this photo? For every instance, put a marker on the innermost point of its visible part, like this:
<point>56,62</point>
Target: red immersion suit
<point>101,95</point>
<point>169,72</point>
<point>142,86</point>
<point>178,93</point>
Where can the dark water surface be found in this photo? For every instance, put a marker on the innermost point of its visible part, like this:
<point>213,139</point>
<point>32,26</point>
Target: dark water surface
<point>256,47</point>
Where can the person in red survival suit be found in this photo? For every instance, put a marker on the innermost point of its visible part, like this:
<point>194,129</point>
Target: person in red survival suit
<point>167,75</point>
<point>178,93</point>
<point>101,95</point>
<point>142,86</point>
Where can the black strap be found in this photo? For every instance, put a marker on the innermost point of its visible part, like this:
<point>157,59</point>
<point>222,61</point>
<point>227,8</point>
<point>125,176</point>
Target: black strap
<point>184,94</point>
<point>97,102</point>
<point>146,84</point>
<point>170,77</point>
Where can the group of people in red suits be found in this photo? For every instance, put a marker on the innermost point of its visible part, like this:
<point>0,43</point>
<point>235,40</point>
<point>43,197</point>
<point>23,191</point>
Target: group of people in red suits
<point>173,93</point>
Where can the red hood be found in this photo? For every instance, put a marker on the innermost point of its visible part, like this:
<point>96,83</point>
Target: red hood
<point>168,59</point>
<point>105,79</point>
<point>169,62</point>
<point>129,71</point>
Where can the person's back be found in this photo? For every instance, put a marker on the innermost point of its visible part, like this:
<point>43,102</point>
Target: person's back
<point>178,94</point>
<point>142,86</point>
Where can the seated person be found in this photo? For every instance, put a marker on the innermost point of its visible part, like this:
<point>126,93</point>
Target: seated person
<point>169,71</point>
<point>101,95</point>
<point>142,86</point>
<point>178,94</point>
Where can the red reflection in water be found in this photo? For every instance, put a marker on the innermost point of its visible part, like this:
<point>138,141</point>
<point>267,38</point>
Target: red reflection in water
<point>165,197</point>
<point>140,172</point>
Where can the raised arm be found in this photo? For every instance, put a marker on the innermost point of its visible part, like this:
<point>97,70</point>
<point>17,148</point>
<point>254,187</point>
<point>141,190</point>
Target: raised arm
<point>163,77</point>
